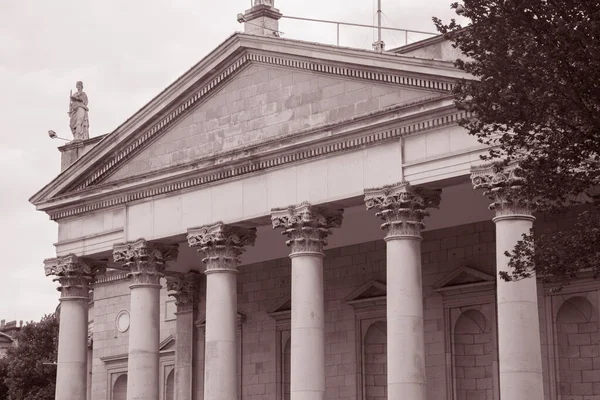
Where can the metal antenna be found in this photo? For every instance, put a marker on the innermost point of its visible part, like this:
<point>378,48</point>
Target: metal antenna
<point>379,20</point>
<point>379,45</point>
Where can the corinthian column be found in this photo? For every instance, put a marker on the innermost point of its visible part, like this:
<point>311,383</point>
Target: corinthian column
<point>222,246</point>
<point>147,263</point>
<point>307,228</point>
<point>519,347</point>
<point>402,209</point>
<point>186,295</point>
<point>74,275</point>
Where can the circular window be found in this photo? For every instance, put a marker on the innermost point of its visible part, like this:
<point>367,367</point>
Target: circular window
<point>122,321</point>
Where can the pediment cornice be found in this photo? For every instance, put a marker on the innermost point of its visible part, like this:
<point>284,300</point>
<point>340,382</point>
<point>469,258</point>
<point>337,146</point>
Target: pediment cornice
<point>246,161</point>
<point>171,117</point>
<point>85,176</point>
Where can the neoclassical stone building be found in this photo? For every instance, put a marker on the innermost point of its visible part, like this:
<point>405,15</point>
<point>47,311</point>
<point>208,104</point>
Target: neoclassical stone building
<point>292,220</point>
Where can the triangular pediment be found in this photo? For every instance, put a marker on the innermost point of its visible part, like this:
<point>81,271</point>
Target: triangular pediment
<point>168,344</point>
<point>371,291</point>
<point>201,323</point>
<point>282,305</point>
<point>262,103</point>
<point>250,90</point>
<point>464,277</point>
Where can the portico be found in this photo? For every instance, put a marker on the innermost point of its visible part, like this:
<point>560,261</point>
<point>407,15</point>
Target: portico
<point>200,296</point>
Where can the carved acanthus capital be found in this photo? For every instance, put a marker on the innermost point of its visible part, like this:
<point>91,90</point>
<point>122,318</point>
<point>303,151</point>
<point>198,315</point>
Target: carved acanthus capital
<point>503,186</point>
<point>74,274</point>
<point>146,261</point>
<point>306,226</point>
<point>402,207</point>
<point>185,288</point>
<point>221,244</point>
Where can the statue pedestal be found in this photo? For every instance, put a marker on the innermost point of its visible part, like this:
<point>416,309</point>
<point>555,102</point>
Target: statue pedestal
<point>71,151</point>
<point>263,20</point>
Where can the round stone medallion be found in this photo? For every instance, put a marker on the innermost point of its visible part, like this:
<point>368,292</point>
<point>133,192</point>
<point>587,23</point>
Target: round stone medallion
<point>122,321</point>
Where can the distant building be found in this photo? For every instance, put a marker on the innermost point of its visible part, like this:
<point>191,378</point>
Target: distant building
<point>8,330</point>
<point>264,133</point>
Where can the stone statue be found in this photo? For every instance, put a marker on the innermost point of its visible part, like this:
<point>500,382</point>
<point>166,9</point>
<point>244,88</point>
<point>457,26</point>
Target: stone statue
<point>265,2</point>
<point>78,111</point>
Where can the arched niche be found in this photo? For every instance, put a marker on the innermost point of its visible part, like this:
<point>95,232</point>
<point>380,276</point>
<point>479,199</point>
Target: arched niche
<point>119,391</point>
<point>472,346</point>
<point>170,386</point>
<point>369,303</point>
<point>578,348</point>
<point>287,369</point>
<point>375,361</point>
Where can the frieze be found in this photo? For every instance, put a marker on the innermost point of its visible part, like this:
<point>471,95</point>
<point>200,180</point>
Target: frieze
<point>165,122</point>
<point>253,166</point>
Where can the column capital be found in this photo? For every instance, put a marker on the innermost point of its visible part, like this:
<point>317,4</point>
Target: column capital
<point>186,288</point>
<point>306,226</point>
<point>221,244</point>
<point>402,207</point>
<point>502,185</point>
<point>74,275</point>
<point>146,261</point>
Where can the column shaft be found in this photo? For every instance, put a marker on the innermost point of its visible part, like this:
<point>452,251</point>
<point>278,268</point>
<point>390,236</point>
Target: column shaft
<point>71,373</point>
<point>308,328</point>
<point>147,263</point>
<point>220,374</point>
<point>144,338</point>
<point>74,275</point>
<point>307,228</point>
<point>402,208</point>
<point>519,346</point>
<point>184,355</point>
<point>185,288</point>
<point>405,336</point>
<point>222,246</point>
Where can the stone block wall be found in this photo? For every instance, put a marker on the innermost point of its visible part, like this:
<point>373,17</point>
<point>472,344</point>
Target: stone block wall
<point>261,103</point>
<point>355,358</point>
<point>110,298</point>
<point>262,285</point>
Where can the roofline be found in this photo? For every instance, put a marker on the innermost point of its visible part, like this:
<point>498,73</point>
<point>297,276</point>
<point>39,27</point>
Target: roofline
<point>207,67</point>
<point>384,119</point>
<point>7,336</point>
<point>419,44</point>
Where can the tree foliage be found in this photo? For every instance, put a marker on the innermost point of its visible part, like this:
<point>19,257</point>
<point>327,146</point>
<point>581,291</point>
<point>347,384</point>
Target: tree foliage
<point>26,376</point>
<point>535,100</point>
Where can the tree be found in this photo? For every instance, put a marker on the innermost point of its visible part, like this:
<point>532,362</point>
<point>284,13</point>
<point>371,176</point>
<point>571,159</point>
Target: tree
<point>535,100</point>
<point>26,376</point>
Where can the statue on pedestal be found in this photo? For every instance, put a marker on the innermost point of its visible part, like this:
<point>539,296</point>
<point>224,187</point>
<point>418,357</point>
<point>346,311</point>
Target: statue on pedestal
<point>265,2</point>
<point>78,111</point>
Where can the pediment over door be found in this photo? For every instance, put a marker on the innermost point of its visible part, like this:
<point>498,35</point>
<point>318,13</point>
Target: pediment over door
<point>464,280</point>
<point>370,295</point>
<point>201,323</point>
<point>281,311</point>
<point>167,345</point>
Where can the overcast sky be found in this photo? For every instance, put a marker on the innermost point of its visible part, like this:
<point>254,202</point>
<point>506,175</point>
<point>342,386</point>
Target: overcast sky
<point>125,52</point>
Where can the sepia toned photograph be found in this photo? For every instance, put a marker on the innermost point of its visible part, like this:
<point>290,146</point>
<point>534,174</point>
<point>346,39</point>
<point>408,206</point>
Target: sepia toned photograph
<point>300,200</point>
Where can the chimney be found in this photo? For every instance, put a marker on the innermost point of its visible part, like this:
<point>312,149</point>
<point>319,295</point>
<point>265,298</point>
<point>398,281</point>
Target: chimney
<point>2,323</point>
<point>261,19</point>
<point>71,151</point>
